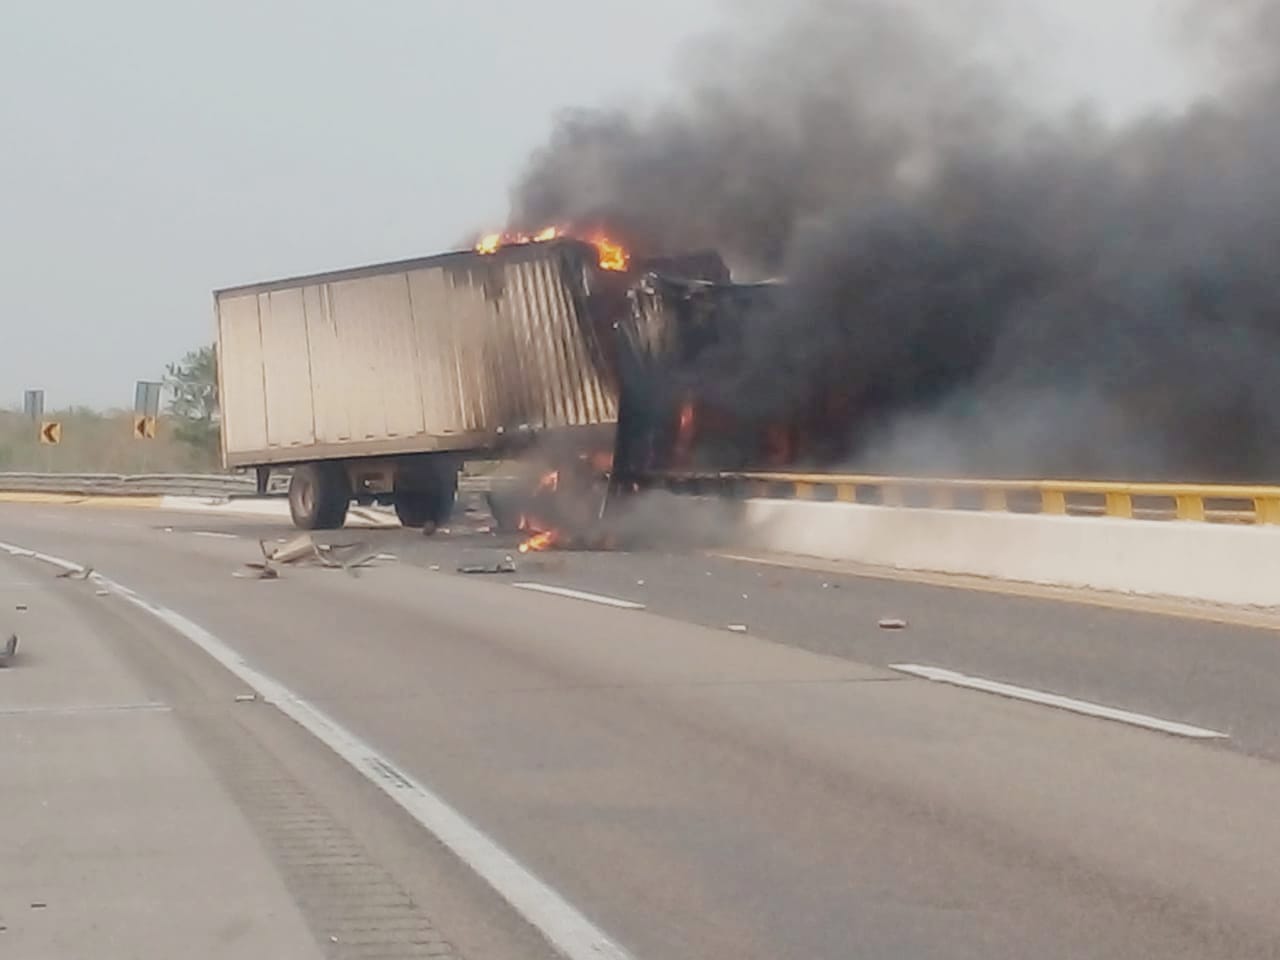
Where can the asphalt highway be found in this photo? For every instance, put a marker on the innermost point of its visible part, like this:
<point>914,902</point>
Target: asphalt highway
<point>700,756</point>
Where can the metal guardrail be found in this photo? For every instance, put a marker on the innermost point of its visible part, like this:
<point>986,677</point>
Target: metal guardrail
<point>141,485</point>
<point>1214,503</point>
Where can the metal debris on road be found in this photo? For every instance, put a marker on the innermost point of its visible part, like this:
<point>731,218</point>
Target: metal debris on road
<point>102,592</point>
<point>80,573</point>
<point>246,697</point>
<point>893,623</point>
<point>21,607</point>
<point>290,551</point>
<point>9,651</point>
<point>302,549</point>
<point>505,565</point>
<point>737,628</point>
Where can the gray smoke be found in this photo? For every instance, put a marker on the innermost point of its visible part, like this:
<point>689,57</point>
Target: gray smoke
<point>974,287</point>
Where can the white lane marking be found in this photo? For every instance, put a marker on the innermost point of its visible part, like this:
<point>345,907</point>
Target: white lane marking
<point>93,709</point>
<point>581,595</point>
<point>214,534</point>
<point>1054,700</point>
<point>567,930</point>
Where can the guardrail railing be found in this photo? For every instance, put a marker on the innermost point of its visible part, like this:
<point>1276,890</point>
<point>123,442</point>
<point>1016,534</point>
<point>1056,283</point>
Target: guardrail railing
<point>1214,503</point>
<point>139,485</point>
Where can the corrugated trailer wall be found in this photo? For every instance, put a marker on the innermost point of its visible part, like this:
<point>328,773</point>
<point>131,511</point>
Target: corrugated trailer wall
<point>450,353</point>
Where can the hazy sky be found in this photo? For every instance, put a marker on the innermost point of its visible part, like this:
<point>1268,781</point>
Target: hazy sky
<point>152,150</point>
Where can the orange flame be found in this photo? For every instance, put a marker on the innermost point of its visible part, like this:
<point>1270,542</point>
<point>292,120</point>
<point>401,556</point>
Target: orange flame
<point>611,254</point>
<point>539,541</point>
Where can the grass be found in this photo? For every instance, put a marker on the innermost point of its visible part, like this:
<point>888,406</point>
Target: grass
<point>97,442</point>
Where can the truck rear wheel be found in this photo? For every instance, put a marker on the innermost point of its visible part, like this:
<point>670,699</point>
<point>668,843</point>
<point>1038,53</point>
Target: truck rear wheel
<point>419,507</point>
<point>319,494</point>
<point>413,508</point>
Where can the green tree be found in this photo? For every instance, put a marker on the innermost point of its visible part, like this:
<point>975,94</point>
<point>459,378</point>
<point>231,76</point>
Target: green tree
<point>193,387</point>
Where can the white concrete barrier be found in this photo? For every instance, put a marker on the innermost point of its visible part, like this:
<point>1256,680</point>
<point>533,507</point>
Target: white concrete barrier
<point>1199,561</point>
<point>273,507</point>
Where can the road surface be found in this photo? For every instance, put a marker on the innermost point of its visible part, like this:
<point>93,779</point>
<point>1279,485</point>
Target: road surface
<point>682,789</point>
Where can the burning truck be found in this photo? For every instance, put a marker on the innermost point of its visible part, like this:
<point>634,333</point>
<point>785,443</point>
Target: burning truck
<point>375,384</point>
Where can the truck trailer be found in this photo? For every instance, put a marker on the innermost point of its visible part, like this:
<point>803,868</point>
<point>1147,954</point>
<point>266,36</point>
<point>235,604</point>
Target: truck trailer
<point>374,384</point>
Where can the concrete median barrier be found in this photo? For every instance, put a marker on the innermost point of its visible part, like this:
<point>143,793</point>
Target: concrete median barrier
<point>1218,563</point>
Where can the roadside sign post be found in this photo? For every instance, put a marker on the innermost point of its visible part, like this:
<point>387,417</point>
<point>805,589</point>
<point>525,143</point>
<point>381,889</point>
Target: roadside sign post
<point>33,405</point>
<point>146,409</point>
<point>146,398</point>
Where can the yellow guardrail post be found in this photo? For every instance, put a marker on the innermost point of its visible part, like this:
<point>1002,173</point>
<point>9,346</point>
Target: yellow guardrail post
<point>847,492</point>
<point>1267,509</point>
<point>995,499</point>
<point>1190,506</point>
<point>1119,504</point>
<point>805,491</point>
<point>1053,502</point>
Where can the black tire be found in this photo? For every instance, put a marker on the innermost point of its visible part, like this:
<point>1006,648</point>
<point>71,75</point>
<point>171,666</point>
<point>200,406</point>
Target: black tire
<point>413,508</point>
<point>426,491</point>
<point>319,494</point>
<point>505,506</point>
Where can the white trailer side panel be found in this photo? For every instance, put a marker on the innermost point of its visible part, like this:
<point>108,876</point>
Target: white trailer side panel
<point>450,353</point>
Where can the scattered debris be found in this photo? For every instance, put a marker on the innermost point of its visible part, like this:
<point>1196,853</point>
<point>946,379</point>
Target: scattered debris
<point>21,607</point>
<point>737,628</point>
<point>10,650</point>
<point>434,566</point>
<point>246,697</point>
<point>264,572</point>
<point>291,550</point>
<point>505,565</point>
<point>79,573</point>
<point>38,905</point>
<point>303,549</point>
<point>745,597</point>
<point>893,623</point>
<point>102,592</point>
<point>639,583</point>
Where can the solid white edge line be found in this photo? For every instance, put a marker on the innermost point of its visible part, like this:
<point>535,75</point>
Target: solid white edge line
<point>939,675</point>
<point>563,926</point>
<point>581,595</point>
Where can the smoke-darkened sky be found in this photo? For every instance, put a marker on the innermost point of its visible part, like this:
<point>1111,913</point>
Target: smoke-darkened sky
<point>155,150</point>
<point>982,277</point>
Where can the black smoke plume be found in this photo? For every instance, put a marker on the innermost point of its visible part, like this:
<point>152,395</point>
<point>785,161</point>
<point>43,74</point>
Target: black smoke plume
<point>973,286</point>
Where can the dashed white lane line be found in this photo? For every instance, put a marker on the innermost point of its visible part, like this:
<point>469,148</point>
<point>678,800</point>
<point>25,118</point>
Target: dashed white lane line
<point>1054,700</point>
<point>581,595</point>
<point>565,928</point>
